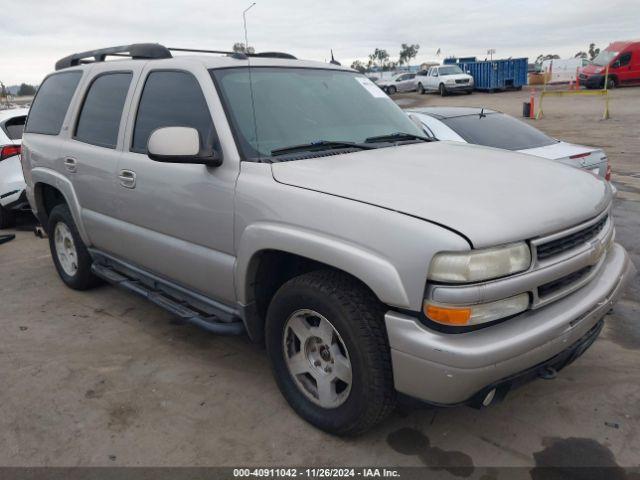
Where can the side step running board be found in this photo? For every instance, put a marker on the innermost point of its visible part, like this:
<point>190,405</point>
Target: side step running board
<point>181,309</point>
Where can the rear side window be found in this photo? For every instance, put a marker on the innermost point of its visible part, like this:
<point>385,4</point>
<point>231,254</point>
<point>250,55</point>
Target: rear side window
<point>101,112</point>
<point>499,131</point>
<point>51,103</point>
<point>14,127</point>
<point>172,99</point>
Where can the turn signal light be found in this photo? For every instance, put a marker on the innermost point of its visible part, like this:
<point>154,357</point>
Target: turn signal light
<point>448,316</point>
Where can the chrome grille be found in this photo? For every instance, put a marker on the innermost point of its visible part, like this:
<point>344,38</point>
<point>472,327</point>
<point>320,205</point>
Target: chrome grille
<point>560,245</point>
<point>462,80</point>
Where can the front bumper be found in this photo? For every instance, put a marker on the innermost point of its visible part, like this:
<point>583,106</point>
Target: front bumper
<point>458,87</point>
<point>449,369</point>
<point>592,81</point>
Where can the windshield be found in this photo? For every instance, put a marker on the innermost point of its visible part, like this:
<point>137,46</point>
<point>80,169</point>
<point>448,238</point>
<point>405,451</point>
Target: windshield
<point>450,70</point>
<point>498,130</point>
<point>296,106</point>
<point>604,57</point>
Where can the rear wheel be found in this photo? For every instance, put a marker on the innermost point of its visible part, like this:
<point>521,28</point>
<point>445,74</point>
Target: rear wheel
<point>7,218</point>
<point>329,352</point>
<point>442,90</point>
<point>70,256</point>
<point>391,90</point>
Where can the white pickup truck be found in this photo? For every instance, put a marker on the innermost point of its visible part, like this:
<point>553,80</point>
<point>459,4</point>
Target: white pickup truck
<point>444,79</point>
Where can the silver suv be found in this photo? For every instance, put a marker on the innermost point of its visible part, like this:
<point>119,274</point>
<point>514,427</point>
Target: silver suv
<point>294,201</point>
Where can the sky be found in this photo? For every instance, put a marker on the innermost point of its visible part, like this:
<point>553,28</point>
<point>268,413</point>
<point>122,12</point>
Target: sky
<point>36,33</point>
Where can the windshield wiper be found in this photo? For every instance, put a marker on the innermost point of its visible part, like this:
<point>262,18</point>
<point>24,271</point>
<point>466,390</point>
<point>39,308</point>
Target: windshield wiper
<point>319,146</point>
<point>397,137</point>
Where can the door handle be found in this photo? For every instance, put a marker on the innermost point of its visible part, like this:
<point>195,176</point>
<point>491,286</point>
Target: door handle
<point>127,178</point>
<point>70,164</point>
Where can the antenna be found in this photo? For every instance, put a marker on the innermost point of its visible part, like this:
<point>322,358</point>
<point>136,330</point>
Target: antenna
<point>253,103</point>
<point>244,20</point>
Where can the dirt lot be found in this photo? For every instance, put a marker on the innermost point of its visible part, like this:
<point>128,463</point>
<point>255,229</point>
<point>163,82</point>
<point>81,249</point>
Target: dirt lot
<point>105,378</point>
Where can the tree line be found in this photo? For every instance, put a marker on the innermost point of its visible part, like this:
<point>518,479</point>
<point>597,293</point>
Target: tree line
<point>381,59</point>
<point>591,53</point>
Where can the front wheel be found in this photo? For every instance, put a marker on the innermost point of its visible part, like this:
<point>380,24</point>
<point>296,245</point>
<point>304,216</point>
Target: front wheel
<point>611,83</point>
<point>442,90</point>
<point>391,90</point>
<point>328,348</point>
<point>421,89</point>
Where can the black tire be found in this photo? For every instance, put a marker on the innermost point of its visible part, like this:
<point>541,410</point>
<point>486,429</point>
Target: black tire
<point>7,218</point>
<point>611,83</point>
<point>469,92</point>
<point>442,90</point>
<point>391,90</point>
<point>82,279</point>
<point>421,89</point>
<point>358,317</point>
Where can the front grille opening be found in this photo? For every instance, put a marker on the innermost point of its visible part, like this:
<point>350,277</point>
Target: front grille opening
<point>555,247</point>
<point>560,284</point>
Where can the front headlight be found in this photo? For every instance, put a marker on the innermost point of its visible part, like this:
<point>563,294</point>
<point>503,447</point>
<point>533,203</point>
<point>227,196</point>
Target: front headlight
<point>478,265</point>
<point>450,80</point>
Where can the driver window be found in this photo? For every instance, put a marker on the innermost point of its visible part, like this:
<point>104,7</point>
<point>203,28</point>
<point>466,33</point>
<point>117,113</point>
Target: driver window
<point>624,59</point>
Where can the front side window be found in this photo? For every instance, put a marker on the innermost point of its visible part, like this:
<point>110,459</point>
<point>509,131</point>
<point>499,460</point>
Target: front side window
<point>52,102</point>
<point>296,106</point>
<point>99,119</point>
<point>172,99</point>
<point>499,131</point>
<point>624,59</point>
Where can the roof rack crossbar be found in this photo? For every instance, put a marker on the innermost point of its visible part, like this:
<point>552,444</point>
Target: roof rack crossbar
<point>238,55</point>
<point>136,51</point>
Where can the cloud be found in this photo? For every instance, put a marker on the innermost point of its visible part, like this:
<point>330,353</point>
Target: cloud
<point>36,33</point>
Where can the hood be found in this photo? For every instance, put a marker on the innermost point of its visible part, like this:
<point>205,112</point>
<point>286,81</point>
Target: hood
<point>488,195</point>
<point>456,76</point>
<point>592,69</point>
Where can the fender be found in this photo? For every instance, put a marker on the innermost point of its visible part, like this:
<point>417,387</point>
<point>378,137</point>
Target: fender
<point>369,267</point>
<point>63,184</point>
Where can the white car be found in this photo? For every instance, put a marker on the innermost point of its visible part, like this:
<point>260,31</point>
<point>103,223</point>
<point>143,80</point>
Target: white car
<point>403,82</point>
<point>12,186</point>
<point>486,127</point>
<point>444,79</point>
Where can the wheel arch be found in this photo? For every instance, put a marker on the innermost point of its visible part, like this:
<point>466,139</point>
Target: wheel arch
<point>50,189</point>
<point>271,254</point>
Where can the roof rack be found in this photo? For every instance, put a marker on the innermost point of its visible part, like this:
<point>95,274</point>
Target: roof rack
<point>238,55</point>
<point>134,51</point>
<point>151,51</point>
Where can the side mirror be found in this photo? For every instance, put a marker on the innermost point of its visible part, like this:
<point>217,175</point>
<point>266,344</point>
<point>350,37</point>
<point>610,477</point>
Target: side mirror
<point>179,145</point>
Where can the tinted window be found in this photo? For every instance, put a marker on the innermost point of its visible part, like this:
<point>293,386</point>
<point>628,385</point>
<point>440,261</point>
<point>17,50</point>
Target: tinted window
<point>172,99</point>
<point>498,130</point>
<point>624,59</point>
<point>51,103</point>
<point>99,120</point>
<point>14,127</point>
